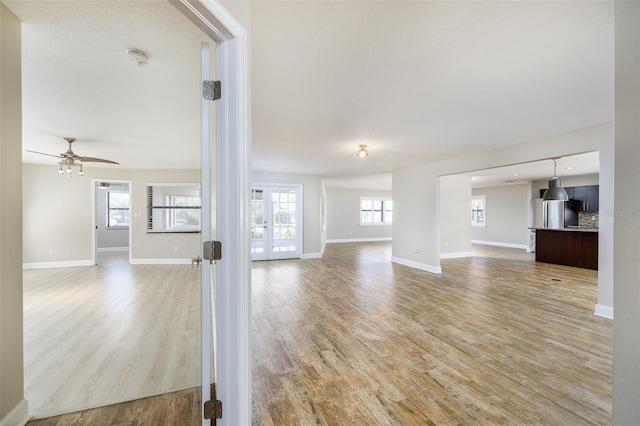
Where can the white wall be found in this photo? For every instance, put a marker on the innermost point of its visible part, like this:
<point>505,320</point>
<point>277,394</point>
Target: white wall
<point>455,216</point>
<point>626,211</point>
<point>343,216</point>
<point>13,407</point>
<point>507,215</point>
<point>312,207</point>
<point>58,223</point>
<point>109,238</point>
<point>416,219</point>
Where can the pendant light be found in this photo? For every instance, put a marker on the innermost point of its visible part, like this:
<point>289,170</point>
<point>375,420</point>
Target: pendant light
<point>555,191</point>
<point>362,152</point>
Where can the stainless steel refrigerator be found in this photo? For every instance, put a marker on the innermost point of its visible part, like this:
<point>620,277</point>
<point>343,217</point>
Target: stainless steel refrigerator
<point>544,214</point>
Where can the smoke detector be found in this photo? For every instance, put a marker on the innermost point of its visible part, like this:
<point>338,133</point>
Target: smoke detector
<point>138,57</point>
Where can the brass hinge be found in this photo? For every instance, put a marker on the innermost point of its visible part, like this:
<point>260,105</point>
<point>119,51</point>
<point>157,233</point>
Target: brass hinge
<point>212,90</point>
<point>213,409</point>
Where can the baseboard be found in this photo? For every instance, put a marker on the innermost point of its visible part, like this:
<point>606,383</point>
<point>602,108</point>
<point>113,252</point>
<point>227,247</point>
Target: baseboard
<point>311,256</point>
<point>455,255</point>
<point>109,249</point>
<point>62,264</point>
<point>604,311</point>
<point>417,265</point>
<point>19,416</point>
<point>357,240</point>
<point>160,261</point>
<point>494,243</point>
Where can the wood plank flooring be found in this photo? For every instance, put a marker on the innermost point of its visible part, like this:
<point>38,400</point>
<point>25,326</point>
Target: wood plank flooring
<point>114,332</point>
<point>352,339</point>
<point>172,409</point>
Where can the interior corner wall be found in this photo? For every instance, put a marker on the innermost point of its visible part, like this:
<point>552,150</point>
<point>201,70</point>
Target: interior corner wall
<point>507,211</point>
<point>343,216</point>
<point>455,216</point>
<point>626,214</point>
<point>312,205</point>
<point>13,407</point>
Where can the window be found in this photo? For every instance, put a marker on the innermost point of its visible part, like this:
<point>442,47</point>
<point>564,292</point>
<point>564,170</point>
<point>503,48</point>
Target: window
<point>478,210</point>
<point>376,211</point>
<point>117,210</point>
<point>174,208</point>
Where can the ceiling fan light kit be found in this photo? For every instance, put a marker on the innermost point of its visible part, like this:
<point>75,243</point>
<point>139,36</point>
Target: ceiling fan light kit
<point>69,158</point>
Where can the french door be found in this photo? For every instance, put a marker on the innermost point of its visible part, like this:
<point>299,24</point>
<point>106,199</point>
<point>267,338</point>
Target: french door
<point>276,217</point>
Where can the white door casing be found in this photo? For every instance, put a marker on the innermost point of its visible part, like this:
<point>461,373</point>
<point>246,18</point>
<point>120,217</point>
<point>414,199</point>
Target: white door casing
<point>232,153</point>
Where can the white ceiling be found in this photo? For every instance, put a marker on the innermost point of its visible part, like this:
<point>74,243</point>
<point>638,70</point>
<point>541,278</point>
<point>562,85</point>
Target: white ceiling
<point>415,81</point>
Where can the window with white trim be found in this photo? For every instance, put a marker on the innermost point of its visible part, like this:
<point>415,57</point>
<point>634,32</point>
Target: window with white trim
<point>479,210</point>
<point>174,208</point>
<point>117,209</point>
<point>376,211</point>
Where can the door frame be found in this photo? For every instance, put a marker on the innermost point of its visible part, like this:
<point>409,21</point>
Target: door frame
<point>232,153</point>
<point>299,214</point>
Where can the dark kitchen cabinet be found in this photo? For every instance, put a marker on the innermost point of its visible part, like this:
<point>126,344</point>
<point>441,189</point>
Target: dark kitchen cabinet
<point>570,248</point>
<point>593,198</point>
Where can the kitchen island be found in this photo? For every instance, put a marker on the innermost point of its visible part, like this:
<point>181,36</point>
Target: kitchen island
<point>568,246</point>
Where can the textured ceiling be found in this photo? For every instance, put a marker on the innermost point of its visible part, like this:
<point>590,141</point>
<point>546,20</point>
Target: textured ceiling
<point>415,81</point>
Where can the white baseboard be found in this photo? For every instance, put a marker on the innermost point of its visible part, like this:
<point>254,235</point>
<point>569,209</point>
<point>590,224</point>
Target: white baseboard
<point>604,311</point>
<point>19,416</point>
<point>455,255</point>
<point>109,249</point>
<point>357,240</point>
<point>417,265</point>
<point>311,256</point>
<point>495,243</point>
<point>160,261</point>
<point>61,264</point>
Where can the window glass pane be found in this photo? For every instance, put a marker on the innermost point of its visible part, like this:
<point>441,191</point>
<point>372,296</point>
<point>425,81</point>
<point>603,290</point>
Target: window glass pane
<point>174,208</point>
<point>377,204</point>
<point>377,216</point>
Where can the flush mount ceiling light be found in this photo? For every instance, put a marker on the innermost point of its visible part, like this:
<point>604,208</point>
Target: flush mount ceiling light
<point>555,191</point>
<point>138,57</point>
<point>362,152</point>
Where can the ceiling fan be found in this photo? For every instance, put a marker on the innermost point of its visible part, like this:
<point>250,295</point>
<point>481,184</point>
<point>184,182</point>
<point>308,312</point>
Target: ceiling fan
<point>69,158</point>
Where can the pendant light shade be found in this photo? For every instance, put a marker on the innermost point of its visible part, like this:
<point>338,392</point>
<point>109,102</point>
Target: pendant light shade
<point>555,192</point>
<point>362,152</point>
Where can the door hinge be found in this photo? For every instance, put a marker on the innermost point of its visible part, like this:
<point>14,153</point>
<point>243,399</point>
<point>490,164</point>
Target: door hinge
<point>212,250</point>
<point>211,90</point>
<point>213,409</point>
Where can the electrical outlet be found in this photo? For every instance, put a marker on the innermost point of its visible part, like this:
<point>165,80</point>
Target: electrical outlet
<point>50,252</point>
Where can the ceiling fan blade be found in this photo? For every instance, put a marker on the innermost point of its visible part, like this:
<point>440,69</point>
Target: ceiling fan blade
<point>44,153</point>
<point>95,160</point>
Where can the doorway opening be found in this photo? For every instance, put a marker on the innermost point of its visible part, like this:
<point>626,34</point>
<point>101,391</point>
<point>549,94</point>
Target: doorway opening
<point>112,207</point>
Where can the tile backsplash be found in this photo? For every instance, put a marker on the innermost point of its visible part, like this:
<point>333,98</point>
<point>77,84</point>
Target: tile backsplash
<point>588,219</point>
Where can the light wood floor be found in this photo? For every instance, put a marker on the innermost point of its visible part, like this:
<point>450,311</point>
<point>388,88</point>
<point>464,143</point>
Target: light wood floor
<point>94,336</point>
<point>352,339</point>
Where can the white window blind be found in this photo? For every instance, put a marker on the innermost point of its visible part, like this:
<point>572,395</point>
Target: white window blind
<point>174,208</point>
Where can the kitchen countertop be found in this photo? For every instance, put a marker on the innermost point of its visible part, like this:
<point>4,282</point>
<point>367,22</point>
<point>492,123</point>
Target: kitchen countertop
<point>572,229</point>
